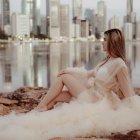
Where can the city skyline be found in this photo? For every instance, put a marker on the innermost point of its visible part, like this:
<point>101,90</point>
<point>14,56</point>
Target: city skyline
<point>117,8</point>
<point>49,17</point>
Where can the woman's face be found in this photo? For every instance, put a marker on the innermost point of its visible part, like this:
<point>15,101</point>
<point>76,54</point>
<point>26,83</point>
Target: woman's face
<point>104,43</point>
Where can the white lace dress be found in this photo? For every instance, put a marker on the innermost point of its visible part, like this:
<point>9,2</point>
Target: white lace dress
<point>83,117</point>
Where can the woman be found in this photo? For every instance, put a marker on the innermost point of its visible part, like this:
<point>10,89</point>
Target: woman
<point>101,101</point>
<point>116,82</point>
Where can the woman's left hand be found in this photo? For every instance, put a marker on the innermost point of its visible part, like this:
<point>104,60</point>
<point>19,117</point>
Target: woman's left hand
<point>62,72</point>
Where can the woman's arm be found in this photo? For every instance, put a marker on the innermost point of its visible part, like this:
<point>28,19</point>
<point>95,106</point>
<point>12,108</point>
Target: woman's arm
<point>78,72</point>
<point>91,73</point>
<point>64,71</point>
<point>124,82</point>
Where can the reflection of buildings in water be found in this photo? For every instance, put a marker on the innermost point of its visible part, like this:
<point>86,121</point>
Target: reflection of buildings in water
<point>90,63</point>
<point>137,53</point>
<point>10,68</point>
<point>77,52</point>
<point>28,70</point>
<point>64,56</point>
<point>40,65</point>
<point>135,71</point>
<point>71,54</point>
<point>84,52</point>
<point>17,66</point>
<point>48,66</point>
<point>130,54</point>
<point>6,68</point>
<point>6,77</point>
<point>54,61</point>
<point>29,65</point>
<point>96,55</point>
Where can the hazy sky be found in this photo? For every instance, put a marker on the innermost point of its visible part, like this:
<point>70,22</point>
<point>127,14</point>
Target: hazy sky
<point>114,7</point>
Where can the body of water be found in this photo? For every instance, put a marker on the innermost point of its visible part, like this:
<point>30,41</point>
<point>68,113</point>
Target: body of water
<point>37,64</point>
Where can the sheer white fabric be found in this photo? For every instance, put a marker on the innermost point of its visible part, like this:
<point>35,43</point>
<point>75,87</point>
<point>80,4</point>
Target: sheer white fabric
<point>116,110</point>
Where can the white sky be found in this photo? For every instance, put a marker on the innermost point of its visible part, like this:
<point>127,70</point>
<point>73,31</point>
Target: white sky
<point>114,7</point>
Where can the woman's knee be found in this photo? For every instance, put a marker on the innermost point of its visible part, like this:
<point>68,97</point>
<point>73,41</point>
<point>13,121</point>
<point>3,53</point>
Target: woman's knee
<point>65,76</point>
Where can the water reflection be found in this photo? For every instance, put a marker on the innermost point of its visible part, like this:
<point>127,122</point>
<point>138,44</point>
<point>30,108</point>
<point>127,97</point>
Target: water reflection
<point>38,64</point>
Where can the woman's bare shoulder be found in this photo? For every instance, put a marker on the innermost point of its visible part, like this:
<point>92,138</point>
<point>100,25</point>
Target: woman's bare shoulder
<point>120,62</point>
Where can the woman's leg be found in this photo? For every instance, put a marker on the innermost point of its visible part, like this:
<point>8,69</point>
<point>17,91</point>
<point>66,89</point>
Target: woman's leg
<point>72,84</point>
<point>52,93</point>
<point>65,96</point>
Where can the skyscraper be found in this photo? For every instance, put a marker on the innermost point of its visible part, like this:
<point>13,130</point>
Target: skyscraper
<point>53,17</point>
<point>130,14</point>
<point>90,16</point>
<point>32,9</point>
<point>77,8</point>
<point>77,16</point>
<point>129,6</point>
<point>20,25</point>
<point>138,30</point>
<point>84,28</point>
<point>27,9</point>
<point>101,16</point>
<point>128,31</point>
<point>64,20</point>
<point>131,17</point>
<point>37,17</point>
<point>114,22</point>
<point>4,13</point>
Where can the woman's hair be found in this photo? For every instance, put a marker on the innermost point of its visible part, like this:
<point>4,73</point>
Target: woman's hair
<point>115,43</point>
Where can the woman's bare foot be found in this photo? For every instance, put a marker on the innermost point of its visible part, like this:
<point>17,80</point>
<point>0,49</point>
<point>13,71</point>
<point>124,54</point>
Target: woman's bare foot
<point>41,108</point>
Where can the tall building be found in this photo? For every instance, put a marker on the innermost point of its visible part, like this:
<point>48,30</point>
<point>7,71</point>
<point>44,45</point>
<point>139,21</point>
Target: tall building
<point>64,20</point>
<point>4,13</point>
<point>37,16</point>
<point>138,30</point>
<point>32,9</point>
<point>77,16</point>
<point>84,28</point>
<point>77,8</point>
<point>101,14</point>
<point>128,30</point>
<point>47,18</point>
<point>53,17</point>
<point>90,16</point>
<point>129,9</point>
<point>27,9</point>
<point>114,22</point>
<point>20,25</point>
<point>131,17</point>
<point>43,25</point>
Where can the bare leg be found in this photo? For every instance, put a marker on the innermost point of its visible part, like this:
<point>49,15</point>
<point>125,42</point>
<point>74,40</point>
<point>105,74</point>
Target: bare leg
<point>53,92</point>
<point>65,96</point>
<point>72,84</point>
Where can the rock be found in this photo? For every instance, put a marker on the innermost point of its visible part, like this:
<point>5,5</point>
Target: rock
<point>4,110</point>
<point>21,110</point>
<point>23,99</point>
<point>133,135</point>
<point>58,138</point>
<point>138,133</point>
<point>7,101</point>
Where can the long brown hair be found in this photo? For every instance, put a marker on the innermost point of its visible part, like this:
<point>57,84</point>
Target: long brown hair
<point>115,44</point>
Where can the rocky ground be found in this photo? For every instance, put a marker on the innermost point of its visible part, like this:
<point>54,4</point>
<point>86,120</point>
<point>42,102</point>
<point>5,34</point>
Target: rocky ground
<point>25,99</point>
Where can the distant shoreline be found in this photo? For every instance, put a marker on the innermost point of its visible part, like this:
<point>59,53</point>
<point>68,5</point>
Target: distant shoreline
<point>55,41</point>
